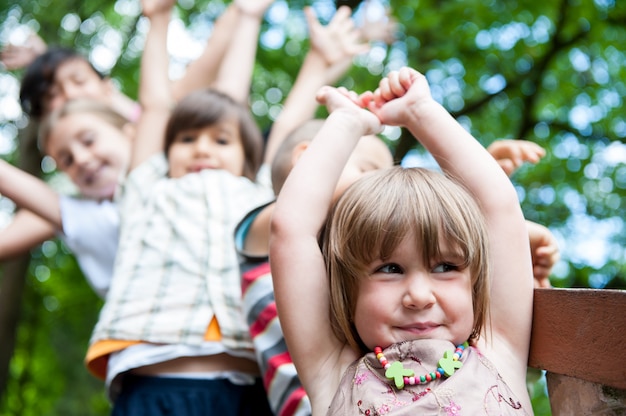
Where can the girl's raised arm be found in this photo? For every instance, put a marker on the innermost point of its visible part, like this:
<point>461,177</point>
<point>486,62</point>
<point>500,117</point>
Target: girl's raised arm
<point>235,72</point>
<point>298,269</point>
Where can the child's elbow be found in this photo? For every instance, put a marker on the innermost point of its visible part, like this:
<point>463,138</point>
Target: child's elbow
<point>283,228</point>
<point>278,228</point>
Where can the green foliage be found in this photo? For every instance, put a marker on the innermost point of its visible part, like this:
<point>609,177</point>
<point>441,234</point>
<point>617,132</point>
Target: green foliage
<point>549,72</point>
<point>47,376</point>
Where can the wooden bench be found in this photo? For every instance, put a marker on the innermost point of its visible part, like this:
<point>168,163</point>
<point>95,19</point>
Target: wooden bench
<point>579,338</point>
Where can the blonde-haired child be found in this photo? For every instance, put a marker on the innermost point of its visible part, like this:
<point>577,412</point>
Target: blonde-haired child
<point>412,264</point>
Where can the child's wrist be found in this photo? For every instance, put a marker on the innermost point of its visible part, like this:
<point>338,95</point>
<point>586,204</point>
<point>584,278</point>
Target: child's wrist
<point>159,15</point>
<point>245,13</point>
<point>316,58</point>
<point>329,59</point>
<point>351,119</point>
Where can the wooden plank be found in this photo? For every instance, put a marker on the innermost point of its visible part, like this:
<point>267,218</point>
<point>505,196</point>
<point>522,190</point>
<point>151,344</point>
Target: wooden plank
<point>573,396</point>
<point>580,333</point>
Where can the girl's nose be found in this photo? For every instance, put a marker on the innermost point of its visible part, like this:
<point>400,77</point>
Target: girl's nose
<point>418,292</point>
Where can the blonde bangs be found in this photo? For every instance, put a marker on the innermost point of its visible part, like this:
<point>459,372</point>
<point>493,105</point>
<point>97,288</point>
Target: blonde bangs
<point>78,106</point>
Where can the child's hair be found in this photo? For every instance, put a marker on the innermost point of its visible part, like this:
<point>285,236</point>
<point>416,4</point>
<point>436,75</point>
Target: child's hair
<point>206,107</point>
<point>377,212</point>
<point>39,77</point>
<point>78,106</point>
<point>282,163</point>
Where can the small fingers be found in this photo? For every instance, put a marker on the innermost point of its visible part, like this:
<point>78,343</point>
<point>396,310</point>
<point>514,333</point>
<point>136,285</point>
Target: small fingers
<point>531,152</point>
<point>311,17</point>
<point>322,94</point>
<point>366,99</point>
<point>542,281</point>
<point>507,166</point>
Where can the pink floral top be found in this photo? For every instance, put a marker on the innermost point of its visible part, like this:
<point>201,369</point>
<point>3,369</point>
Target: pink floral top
<point>475,389</point>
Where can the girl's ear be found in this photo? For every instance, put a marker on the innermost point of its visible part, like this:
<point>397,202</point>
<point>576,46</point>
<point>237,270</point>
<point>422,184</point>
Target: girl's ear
<point>297,151</point>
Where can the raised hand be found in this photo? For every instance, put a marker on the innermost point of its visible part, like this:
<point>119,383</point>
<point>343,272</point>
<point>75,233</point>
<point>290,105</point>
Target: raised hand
<point>341,99</point>
<point>20,56</point>
<point>511,154</point>
<point>544,251</point>
<point>381,29</point>
<point>399,97</point>
<point>339,41</point>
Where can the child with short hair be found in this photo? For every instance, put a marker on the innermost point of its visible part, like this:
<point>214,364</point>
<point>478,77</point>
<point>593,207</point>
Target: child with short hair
<point>408,264</point>
<point>171,334</point>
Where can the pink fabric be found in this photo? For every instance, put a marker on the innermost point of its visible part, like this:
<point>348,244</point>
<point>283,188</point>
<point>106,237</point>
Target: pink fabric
<point>474,389</point>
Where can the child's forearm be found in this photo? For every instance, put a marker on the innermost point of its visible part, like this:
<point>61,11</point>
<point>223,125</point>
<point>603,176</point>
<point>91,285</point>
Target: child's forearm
<point>461,155</point>
<point>25,232</point>
<point>235,74</point>
<point>154,79</point>
<point>300,104</point>
<point>30,192</point>
<point>154,89</point>
<point>202,72</point>
<point>308,191</point>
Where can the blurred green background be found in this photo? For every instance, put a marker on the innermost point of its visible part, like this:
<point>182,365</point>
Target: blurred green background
<point>553,72</point>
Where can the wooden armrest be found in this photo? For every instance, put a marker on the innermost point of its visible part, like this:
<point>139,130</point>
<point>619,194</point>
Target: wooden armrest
<point>580,333</point>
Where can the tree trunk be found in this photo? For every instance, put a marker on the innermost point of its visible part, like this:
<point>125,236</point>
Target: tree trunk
<point>14,272</point>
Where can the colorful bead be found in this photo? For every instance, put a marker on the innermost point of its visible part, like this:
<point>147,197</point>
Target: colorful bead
<point>401,376</point>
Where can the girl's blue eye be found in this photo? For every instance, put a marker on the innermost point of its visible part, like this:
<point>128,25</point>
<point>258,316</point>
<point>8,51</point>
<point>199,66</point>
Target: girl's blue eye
<point>444,267</point>
<point>389,268</point>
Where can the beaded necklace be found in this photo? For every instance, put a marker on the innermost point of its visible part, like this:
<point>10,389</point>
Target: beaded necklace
<point>447,365</point>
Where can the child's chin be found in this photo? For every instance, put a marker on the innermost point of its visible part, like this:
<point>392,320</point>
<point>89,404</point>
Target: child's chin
<point>100,194</point>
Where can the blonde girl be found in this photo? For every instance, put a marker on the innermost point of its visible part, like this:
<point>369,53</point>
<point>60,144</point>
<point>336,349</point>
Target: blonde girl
<point>418,298</point>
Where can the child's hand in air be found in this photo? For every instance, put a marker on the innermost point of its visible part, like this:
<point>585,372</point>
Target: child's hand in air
<point>383,28</point>
<point>20,56</point>
<point>349,103</point>
<point>544,252</point>
<point>337,42</point>
<point>399,97</point>
<point>511,154</point>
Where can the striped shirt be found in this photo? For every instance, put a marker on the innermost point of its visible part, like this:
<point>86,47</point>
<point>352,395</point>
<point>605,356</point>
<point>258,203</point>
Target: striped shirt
<point>284,390</point>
